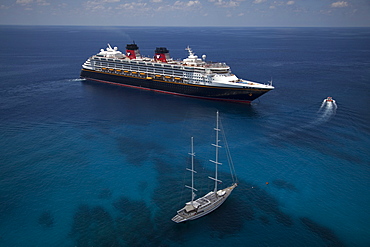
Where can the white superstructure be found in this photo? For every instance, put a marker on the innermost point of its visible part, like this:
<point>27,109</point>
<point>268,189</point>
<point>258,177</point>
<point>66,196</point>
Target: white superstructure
<point>191,70</point>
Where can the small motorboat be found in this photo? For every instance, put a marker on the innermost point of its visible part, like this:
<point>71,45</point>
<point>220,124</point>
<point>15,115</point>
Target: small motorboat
<point>329,99</point>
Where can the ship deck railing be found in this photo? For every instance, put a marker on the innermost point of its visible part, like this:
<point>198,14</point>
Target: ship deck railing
<point>171,63</point>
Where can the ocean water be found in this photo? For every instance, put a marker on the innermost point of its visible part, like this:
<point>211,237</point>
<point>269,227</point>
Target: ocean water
<point>84,164</point>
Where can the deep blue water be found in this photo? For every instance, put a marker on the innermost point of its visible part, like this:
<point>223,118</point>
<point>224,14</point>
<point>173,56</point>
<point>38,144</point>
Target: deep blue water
<point>85,164</point>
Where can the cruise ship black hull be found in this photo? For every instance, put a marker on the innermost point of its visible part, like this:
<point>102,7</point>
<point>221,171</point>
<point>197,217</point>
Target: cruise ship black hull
<point>245,95</point>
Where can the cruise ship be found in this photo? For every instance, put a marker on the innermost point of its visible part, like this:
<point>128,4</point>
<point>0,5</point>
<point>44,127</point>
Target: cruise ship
<point>192,76</point>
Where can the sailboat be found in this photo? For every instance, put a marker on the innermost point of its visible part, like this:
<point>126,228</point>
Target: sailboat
<point>197,208</point>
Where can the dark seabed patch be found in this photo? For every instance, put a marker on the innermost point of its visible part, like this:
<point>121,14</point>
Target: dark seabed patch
<point>46,219</point>
<point>93,226</point>
<point>143,185</point>
<point>137,152</point>
<point>323,232</point>
<point>134,224</point>
<point>282,184</point>
<point>262,202</point>
<point>105,194</point>
<point>264,219</point>
<point>235,212</point>
<point>162,167</point>
<point>131,208</point>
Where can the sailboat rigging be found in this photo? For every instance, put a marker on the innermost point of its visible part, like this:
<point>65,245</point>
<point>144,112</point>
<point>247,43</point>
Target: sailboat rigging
<point>213,199</point>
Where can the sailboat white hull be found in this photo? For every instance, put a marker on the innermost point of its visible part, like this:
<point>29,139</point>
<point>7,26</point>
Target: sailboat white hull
<point>205,205</point>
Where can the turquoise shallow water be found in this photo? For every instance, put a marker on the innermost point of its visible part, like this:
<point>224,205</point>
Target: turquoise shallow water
<point>85,164</point>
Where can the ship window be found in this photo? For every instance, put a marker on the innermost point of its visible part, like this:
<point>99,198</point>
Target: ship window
<point>219,70</point>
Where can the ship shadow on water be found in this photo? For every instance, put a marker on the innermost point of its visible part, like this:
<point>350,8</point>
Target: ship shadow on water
<point>134,102</point>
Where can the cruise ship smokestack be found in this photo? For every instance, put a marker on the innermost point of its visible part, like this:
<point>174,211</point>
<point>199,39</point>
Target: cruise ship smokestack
<point>132,51</point>
<point>162,54</point>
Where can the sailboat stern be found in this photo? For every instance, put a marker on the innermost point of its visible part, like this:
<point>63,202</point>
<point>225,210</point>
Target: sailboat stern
<point>178,219</point>
<point>186,212</point>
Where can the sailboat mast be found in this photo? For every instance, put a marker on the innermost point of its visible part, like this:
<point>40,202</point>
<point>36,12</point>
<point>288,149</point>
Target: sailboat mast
<point>192,172</point>
<point>216,160</point>
<point>216,145</point>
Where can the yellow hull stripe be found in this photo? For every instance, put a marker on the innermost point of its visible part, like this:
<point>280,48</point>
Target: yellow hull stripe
<point>177,83</point>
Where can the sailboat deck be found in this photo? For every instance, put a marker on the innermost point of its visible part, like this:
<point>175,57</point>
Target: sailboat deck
<point>205,205</point>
